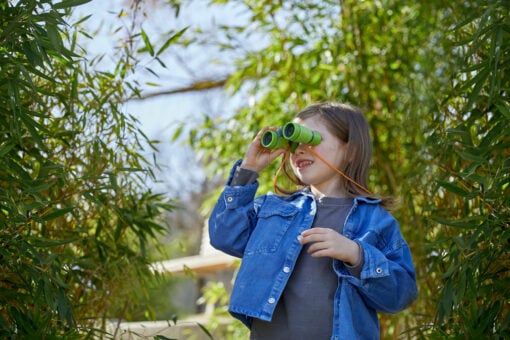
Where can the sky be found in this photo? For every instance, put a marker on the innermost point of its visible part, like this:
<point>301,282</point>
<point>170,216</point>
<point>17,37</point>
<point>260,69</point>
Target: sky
<point>160,116</point>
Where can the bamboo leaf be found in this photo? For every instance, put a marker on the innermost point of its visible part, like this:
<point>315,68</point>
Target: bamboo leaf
<point>32,188</point>
<point>54,36</point>
<point>471,157</point>
<point>57,213</point>
<point>147,42</point>
<point>453,188</point>
<point>70,3</point>
<point>5,148</point>
<point>43,242</point>
<point>503,107</point>
<point>171,40</point>
<point>469,222</point>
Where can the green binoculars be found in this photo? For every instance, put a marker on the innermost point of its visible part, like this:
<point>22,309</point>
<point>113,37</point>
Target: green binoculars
<point>289,136</point>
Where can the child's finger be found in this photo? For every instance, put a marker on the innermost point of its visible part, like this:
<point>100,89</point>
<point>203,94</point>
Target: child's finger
<point>308,237</point>
<point>312,231</point>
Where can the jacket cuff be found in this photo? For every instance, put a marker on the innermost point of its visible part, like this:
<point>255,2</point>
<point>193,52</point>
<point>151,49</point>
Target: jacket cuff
<point>243,177</point>
<point>356,269</point>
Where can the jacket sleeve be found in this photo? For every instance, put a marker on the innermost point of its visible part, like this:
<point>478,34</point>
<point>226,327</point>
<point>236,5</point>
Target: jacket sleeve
<point>233,217</point>
<point>388,281</point>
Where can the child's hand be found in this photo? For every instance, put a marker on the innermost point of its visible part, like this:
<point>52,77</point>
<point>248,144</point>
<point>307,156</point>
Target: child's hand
<point>258,157</point>
<point>326,242</point>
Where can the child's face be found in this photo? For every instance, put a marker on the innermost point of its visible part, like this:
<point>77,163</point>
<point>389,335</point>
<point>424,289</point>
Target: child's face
<point>314,172</point>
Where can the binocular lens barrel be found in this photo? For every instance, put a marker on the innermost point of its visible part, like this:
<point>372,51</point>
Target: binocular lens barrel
<point>291,134</point>
<point>300,134</point>
<point>267,138</point>
<point>273,140</point>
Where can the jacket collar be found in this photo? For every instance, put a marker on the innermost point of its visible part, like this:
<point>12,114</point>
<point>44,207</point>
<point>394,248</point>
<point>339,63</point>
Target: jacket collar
<point>307,192</point>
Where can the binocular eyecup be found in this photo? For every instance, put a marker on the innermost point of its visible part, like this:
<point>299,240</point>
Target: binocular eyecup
<point>290,136</point>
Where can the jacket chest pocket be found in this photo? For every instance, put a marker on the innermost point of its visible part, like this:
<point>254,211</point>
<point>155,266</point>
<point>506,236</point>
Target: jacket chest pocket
<point>270,230</point>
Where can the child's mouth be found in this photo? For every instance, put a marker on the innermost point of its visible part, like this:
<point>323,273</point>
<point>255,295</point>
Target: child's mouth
<point>302,164</point>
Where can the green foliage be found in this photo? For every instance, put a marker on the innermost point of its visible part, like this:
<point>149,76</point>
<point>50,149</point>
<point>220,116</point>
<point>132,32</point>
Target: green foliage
<point>76,215</point>
<point>215,293</point>
<point>473,195</point>
<point>435,92</point>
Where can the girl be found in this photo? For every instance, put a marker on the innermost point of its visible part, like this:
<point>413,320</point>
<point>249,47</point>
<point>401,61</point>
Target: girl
<point>318,263</point>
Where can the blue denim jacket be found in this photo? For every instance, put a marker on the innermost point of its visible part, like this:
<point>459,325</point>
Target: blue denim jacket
<point>263,231</point>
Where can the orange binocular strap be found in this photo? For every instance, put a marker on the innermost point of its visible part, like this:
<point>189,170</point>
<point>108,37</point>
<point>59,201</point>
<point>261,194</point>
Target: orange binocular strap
<point>312,151</point>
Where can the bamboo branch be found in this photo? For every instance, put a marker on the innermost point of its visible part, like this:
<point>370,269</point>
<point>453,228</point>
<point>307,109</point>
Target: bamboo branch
<point>203,85</point>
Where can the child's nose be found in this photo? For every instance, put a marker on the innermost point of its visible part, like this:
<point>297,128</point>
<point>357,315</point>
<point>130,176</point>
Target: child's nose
<point>300,148</point>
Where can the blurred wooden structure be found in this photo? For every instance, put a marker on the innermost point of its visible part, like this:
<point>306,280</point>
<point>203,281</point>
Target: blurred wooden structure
<point>209,265</point>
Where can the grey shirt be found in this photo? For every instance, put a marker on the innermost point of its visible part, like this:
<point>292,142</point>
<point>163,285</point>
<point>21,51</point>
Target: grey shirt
<point>305,310</point>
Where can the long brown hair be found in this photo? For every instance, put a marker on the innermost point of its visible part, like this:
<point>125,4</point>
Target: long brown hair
<point>349,125</point>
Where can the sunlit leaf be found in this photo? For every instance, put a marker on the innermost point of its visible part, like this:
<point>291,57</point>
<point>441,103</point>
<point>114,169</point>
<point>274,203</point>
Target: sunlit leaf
<point>69,3</point>
<point>147,42</point>
<point>171,40</point>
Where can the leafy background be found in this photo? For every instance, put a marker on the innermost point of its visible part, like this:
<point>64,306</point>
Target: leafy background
<point>79,224</point>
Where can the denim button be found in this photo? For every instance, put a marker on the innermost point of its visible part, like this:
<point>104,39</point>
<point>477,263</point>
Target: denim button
<point>286,269</point>
<point>230,199</point>
<point>271,300</point>
<point>378,271</point>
